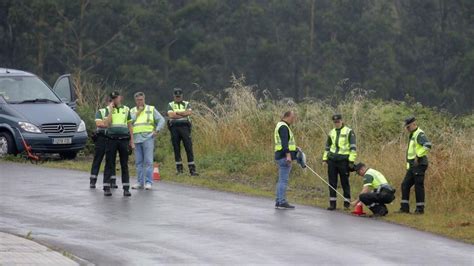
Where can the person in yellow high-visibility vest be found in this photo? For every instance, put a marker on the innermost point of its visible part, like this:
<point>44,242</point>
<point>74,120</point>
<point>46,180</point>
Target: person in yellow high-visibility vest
<point>339,155</point>
<point>179,124</point>
<point>417,163</point>
<point>146,122</point>
<point>100,143</point>
<point>120,139</point>
<point>285,153</point>
<point>376,191</point>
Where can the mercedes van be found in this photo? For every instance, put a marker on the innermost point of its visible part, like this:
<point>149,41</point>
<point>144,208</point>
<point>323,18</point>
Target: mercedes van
<point>33,114</point>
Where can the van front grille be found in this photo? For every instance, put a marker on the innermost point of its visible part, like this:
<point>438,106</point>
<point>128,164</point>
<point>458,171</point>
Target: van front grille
<point>59,128</point>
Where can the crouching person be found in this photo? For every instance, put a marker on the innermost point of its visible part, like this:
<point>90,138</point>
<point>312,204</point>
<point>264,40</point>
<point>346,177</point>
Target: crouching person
<point>376,191</point>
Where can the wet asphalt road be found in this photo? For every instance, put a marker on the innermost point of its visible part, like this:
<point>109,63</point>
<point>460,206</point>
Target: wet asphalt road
<point>180,224</point>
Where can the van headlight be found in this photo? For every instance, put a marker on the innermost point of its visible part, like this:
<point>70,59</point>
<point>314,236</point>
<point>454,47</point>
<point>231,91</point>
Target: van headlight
<point>81,127</point>
<point>28,127</point>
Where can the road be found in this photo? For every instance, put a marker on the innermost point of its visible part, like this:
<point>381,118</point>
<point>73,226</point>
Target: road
<point>182,224</point>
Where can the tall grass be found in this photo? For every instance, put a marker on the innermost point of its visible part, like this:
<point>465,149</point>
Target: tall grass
<point>234,134</point>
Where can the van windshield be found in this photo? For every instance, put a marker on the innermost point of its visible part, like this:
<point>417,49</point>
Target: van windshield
<point>26,90</point>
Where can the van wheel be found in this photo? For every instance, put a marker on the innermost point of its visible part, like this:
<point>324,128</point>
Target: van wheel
<point>7,145</point>
<point>70,155</point>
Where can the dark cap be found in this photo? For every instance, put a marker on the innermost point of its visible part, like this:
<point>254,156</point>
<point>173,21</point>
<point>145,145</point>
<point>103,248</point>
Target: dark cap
<point>336,117</point>
<point>358,166</point>
<point>114,94</point>
<point>177,92</point>
<point>409,120</point>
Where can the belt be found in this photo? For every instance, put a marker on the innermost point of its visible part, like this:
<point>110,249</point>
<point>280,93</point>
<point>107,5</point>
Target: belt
<point>119,137</point>
<point>385,187</point>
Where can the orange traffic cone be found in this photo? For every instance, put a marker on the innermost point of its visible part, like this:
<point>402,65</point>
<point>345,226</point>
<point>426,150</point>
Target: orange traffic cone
<point>359,209</point>
<point>156,172</point>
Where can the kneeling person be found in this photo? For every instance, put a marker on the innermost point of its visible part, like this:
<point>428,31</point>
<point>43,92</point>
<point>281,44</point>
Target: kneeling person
<point>376,191</point>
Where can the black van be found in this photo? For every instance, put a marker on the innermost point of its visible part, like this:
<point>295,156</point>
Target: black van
<point>32,113</point>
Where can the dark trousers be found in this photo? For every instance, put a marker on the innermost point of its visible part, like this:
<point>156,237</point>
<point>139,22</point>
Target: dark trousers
<point>100,144</point>
<point>178,134</point>
<point>415,176</point>
<point>340,168</point>
<point>113,146</point>
<point>376,201</point>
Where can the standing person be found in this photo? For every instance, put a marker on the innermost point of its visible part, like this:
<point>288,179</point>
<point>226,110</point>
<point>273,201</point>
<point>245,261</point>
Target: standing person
<point>376,191</point>
<point>285,154</point>
<point>120,137</point>
<point>417,163</point>
<point>339,155</point>
<point>147,122</point>
<point>100,142</point>
<point>179,113</point>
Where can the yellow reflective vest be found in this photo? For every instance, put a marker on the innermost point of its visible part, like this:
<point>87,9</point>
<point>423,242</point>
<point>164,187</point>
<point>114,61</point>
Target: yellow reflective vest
<point>120,119</point>
<point>102,114</point>
<point>340,144</point>
<point>416,149</point>
<point>277,137</point>
<point>374,179</point>
<point>145,122</point>
<point>179,107</point>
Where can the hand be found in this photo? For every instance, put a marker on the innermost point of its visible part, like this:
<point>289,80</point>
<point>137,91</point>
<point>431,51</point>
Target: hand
<point>415,162</point>
<point>288,158</point>
<point>325,163</point>
<point>155,133</point>
<point>139,110</point>
<point>132,145</point>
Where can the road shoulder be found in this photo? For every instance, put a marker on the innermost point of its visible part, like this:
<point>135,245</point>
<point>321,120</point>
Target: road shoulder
<point>15,250</point>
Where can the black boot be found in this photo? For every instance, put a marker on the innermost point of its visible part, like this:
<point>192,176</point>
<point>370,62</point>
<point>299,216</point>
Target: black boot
<point>179,169</point>
<point>113,183</point>
<point>419,210</point>
<point>404,208</point>
<point>92,182</point>
<point>377,211</point>
<point>332,206</point>
<point>192,170</point>
<point>107,192</point>
<point>126,193</point>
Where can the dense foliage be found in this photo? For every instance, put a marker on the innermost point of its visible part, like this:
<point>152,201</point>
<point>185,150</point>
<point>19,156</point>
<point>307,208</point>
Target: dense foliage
<point>299,49</point>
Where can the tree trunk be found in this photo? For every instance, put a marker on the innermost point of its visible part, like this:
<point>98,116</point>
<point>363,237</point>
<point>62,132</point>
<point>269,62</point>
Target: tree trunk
<point>41,47</point>
<point>309,69</point>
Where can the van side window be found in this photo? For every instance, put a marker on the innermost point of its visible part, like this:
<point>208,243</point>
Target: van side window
<point>62,89</point>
